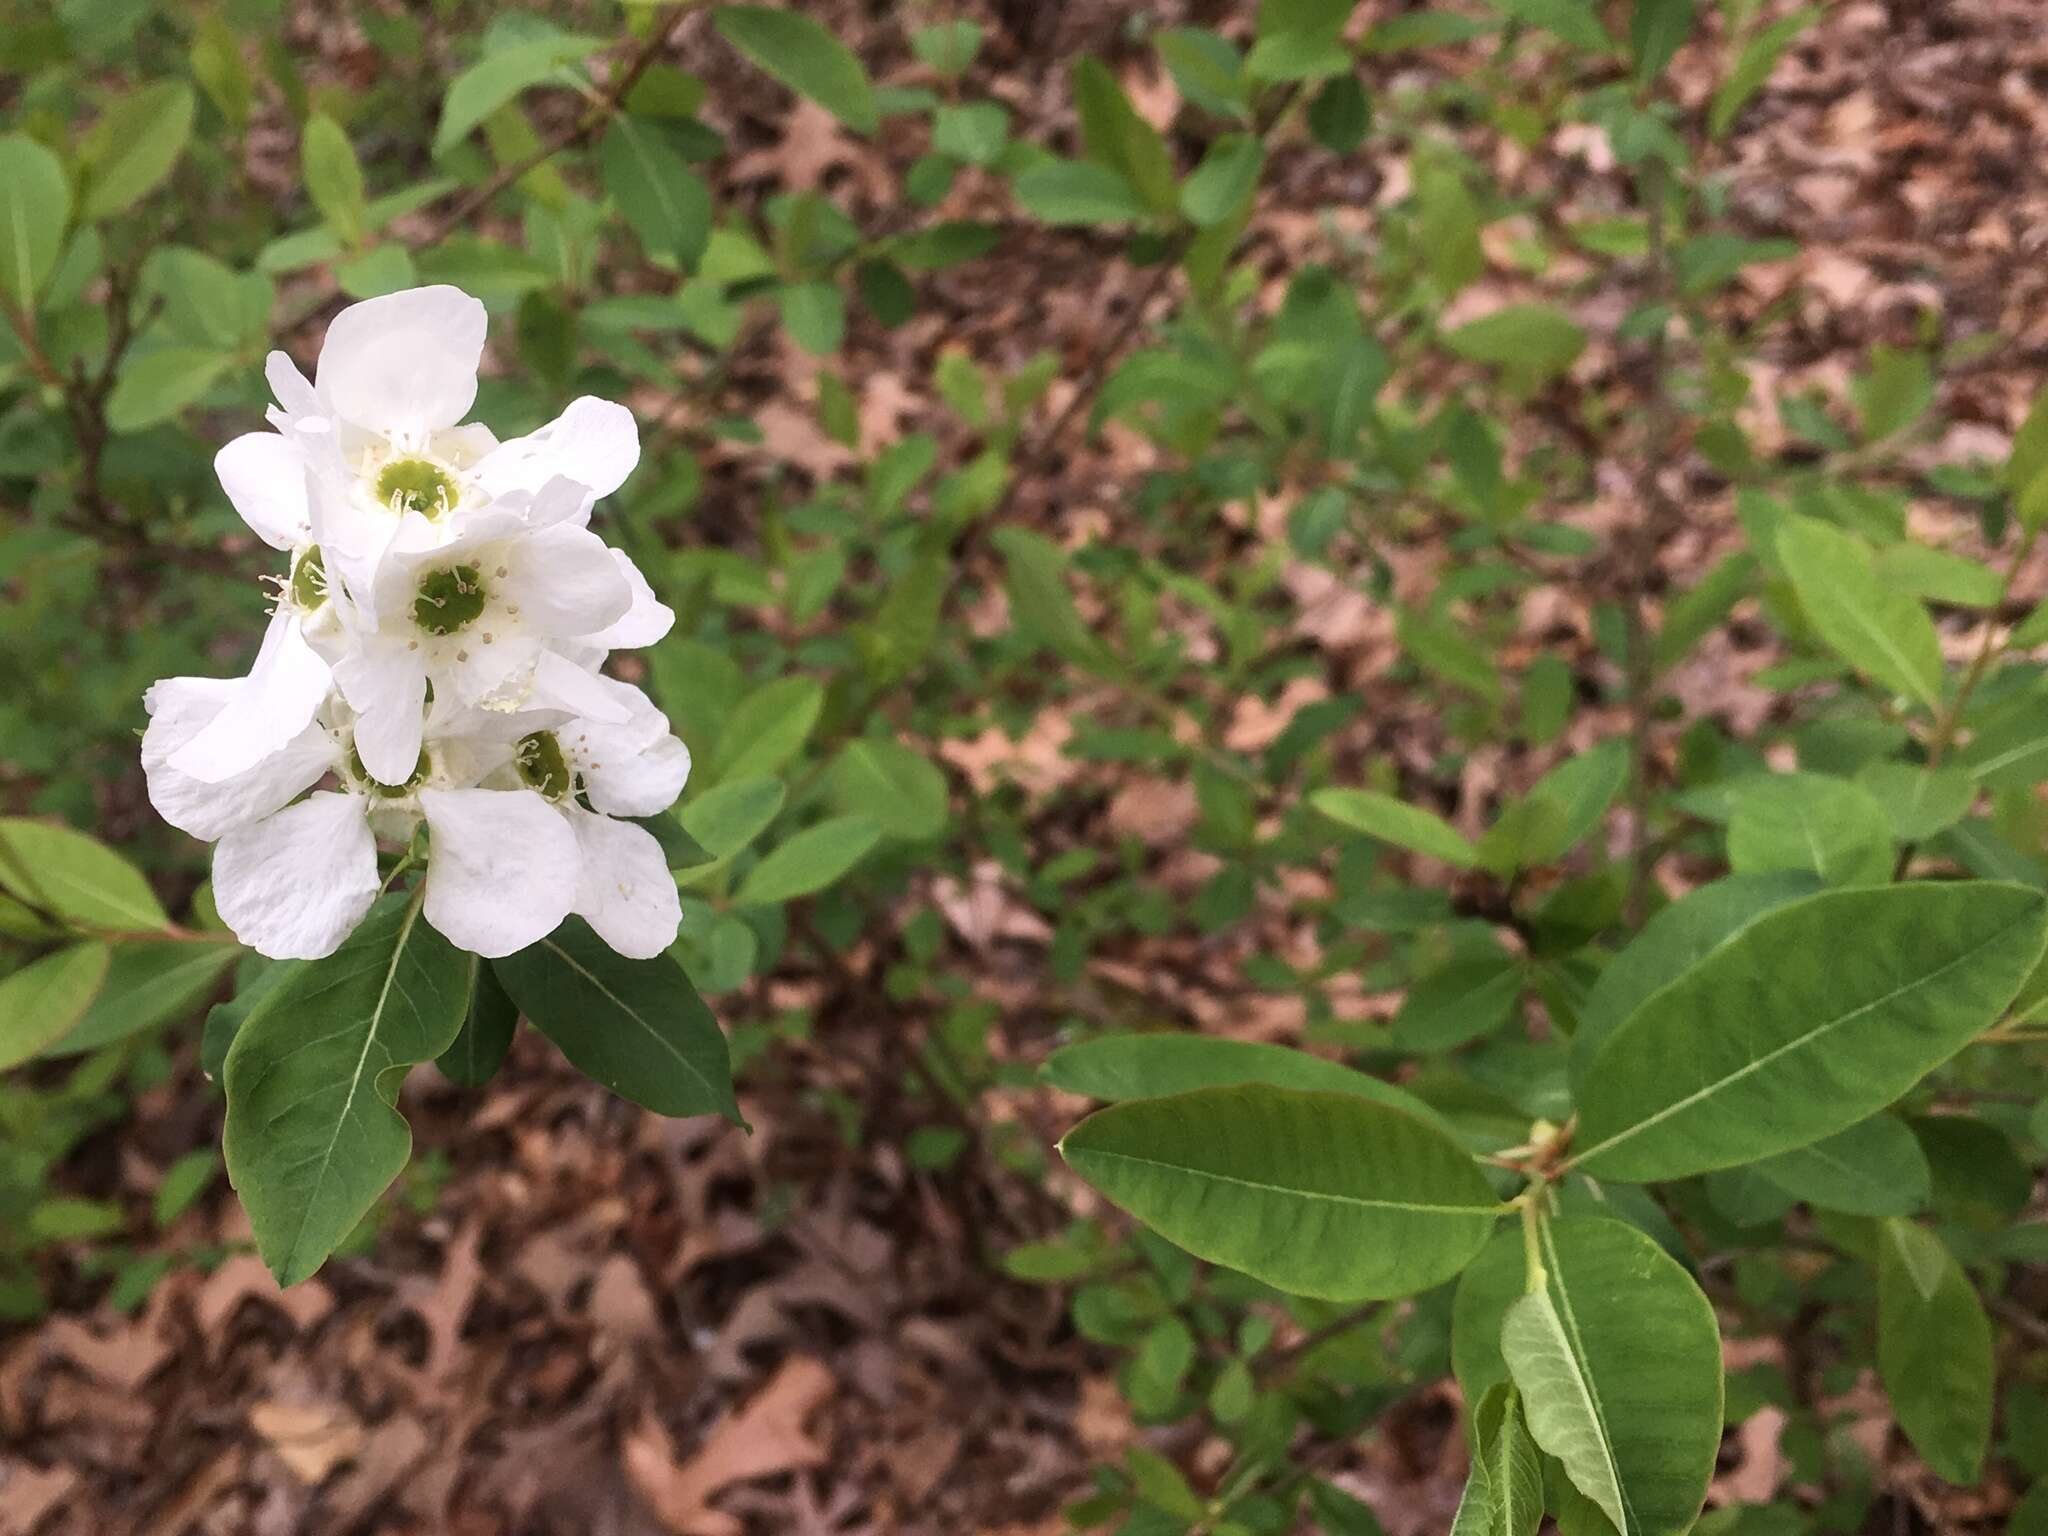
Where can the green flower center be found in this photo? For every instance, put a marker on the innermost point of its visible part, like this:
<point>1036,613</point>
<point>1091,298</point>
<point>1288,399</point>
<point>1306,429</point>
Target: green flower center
<point>415,485</point>
<point>378,787</point>
<point>449,600</point>
<point>541,764</point>
<point>309,581</point>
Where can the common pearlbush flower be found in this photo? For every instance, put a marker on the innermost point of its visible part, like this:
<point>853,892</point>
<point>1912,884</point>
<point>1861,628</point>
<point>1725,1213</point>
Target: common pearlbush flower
<point>433,662</point>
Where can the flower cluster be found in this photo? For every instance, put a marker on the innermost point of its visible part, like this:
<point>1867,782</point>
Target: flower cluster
<point>433,660</point>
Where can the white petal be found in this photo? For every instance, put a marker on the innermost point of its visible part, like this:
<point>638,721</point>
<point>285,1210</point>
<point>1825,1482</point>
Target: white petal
<point>594,442</point>
<point>564,582</point>
<point>626,893</point>
<point>502,869</point>
<point>286,685</point>
<point>646,621</point>
<point>405,362</point>
<point>561,684</point>
<point>290,386</point>
<point>179,707</point>
<point>265,477</point>
<point>639,783</point>
<point>294,885</point>
<point>387,688</point>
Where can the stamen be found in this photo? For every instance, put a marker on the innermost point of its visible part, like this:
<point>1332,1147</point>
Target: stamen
<point>449,600</point>
<point>416,485</point>
<point>541,765</point>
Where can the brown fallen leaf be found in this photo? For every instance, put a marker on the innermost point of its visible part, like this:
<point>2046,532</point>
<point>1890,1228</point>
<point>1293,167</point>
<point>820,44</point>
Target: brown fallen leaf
<point>311,1439</point>
<point>762,1439</point>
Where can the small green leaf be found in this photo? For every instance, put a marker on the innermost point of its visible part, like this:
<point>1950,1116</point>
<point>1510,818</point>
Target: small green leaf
<point>1320,1194</point>
<point>77,877</point>
<point>804,56</point>
<point>1117,138</point>
<point>1934,1351</point>
<point>768,727</point>
<point>1918,802</point>
<point>500,76</point>
<point>1077,192</point>
<point>1532,339</point>
<point>46,997</point>
<point>1809,821</point>
<point>133,147</point>
<point>1753,67</point>
<point>1618,1360</point>
<point>1874,1168</point>
<point>636,1026</point>
<point>1397,822</point>
<point>654,189</point>
<point>1340,115</point>
<point>155,386</point>
<point>809,861</point>
<point>1878,630</point>
<point>1656,30</point>
<point>149,984</point>
<point>1846,999</point>
<point>334,178</point>
<point>1504,1491</point>
<point>35,206</point>
<point>727,817</point>
<point>901,791</point>
<point>815,314</point>
<point>975,134</point>
<point>313,1134</point>
<point>1115,1068</point>
<point>1223,182</point>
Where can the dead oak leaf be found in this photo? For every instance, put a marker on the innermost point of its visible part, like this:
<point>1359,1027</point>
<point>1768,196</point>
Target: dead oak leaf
<point>311,1439</point>
<point>763,1439</point>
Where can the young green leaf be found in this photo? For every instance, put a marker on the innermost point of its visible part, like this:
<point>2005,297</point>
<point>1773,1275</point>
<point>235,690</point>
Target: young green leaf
<point>1320,1194</point>
<point>1934,1350</point>
<point>313,1134</point>
<point>35,205</point>
<point>1532,339</point>
<point>1753,67</point>
<point>800,53</point>
<point>731,815</point>
<point>502,75</point>
<point>636,1026</point>
<point>1874,1168</point>
<point>1397,822</point>
<point>667,203</point>
<point>1115,1068</point>
<point>1224,180</point>
<point>1117,138</point>
<point>1504,1491</point>
<point>1809,821</point>
<point>132,147</point>
<point>809,861</point>
<point>767,728</point>
<point>74,876</point>
<point>1656,29</point>
<point>1077,192</point>
<point>901,791</point>
<point>1878,630</point>
<point>46,997</point>
<point>334,179</point>
<point>149,983</point>
<point>1845,1000</point>
<point>1618,1361</point>
<point>155,386</point>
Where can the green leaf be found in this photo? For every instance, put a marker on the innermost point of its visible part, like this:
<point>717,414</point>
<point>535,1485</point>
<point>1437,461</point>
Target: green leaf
<point>1809,821</point>
<point>1753,67</point>
<point>183,1182</point>
<point>46,997</point>
<point>1447,224</point>
<point>1533,339</point>
<point>313,1134</point>
<point>1559,812</point>
<point>1117,138</point>
<point>1440,646</point>
<point>1115,1068</point>
<point>1397,822</point>
<point>133,147</point>
<point>1457,1004</point>
<point>1040,604</point>
<point>901,791</point>
<point>77,877</point>
<point>148,984</point>
<point>207,302</point>
<point>1504,1491</point>
<point>767,728</point>
<point>815,314</point>
<point>35,206</point>
<point>975,134</point>
<point>1340,115</point>
<point>1894,393</point>
<point>655,191</point>
<point>1319,1194</point>
<point>809,861</point>
<point>1918,802</point>
<point>500,76</point>
<point>1207,69</point>
<point>801,54</point>
<point>726,818</point>
<point>1845,1000</point>
<point>1878,630</point>
<point>1076,192</point>
<point>155,386</point>
<point>1223,182</point>
<point>636,1026</point>
<point>1618,1360</point>
<point>2027,468</point>
<point>1656,30</point>
<point>1874,1168</point>
<point>479,1050</point>
<point>1934,1351</point>
<point>334,178</point>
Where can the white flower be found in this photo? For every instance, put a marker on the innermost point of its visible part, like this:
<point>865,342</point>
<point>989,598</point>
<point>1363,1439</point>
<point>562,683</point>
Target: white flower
<point>432,662</point>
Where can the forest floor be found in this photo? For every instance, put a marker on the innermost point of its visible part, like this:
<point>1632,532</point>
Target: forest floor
<point>582,1317</point>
